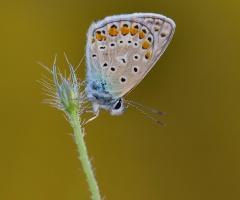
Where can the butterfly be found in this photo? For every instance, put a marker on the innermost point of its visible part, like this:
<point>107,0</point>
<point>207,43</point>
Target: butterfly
<point>120,51</point>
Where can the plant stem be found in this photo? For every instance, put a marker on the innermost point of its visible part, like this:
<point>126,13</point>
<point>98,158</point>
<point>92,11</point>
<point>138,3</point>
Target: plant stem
<point>84,156</point>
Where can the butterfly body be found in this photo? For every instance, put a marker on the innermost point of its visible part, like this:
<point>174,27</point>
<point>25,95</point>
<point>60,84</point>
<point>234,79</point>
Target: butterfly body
<point>102,99</point>
<point>120,51</point>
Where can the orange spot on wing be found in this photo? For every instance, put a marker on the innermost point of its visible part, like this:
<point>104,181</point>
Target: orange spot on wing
<point>113,31</point>
<point>99,37</point>
<point>93,40</point>
<point>124,30</point>
<point>156,28</point>
<point>145,45</point>
<point>141,35</point>
<point>147,55</point>
<point>133,30</point>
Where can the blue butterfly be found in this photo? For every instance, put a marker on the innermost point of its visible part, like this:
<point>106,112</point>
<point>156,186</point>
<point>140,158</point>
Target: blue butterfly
<point>120,51</point>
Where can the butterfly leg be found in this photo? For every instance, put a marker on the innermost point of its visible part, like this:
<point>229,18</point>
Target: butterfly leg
<point>96,115</point>
<point>87,111</point>
<point>87,108</point>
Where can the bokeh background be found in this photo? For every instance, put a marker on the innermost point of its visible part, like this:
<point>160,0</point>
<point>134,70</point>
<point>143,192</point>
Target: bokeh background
<point>196,82</point>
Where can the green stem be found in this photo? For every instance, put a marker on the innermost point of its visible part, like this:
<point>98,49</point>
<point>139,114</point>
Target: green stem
<point>84,156</point>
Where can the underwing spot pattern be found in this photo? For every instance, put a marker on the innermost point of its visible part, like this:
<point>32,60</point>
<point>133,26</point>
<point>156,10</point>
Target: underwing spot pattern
<point>135,69</point>
<point>103,47</point>
<point>104,65</point>
<point>163,35</point>
<point>136,44</point>
<point>113,31</point>
<point>123,60</point>
<point>120,42</point>
<point>136,57</point>
<point>123,79</point>
<point>148,54</point>
<point>99,36</point>
<point>120,51</point>
<point>125,49</point>
<point>112,45</point>
<point>113,69</point>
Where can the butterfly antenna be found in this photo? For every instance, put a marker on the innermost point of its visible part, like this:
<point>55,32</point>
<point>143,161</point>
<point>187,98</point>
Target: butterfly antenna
<point>145,114</point>
<point>150,109</point>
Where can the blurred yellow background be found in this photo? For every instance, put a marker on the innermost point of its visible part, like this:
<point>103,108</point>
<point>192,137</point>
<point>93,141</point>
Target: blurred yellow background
<point>196,82</point>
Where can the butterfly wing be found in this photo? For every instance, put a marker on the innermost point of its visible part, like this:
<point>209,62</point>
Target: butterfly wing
<point>122,49</point>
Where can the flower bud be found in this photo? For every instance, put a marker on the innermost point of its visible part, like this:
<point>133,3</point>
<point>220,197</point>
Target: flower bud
<point>68,91</point>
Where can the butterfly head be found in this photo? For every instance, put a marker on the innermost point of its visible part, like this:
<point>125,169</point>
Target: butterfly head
<point>117,107</point>
<point>103,100</point>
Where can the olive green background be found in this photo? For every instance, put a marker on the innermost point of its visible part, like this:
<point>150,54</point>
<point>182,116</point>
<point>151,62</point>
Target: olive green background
<point>196,82</point>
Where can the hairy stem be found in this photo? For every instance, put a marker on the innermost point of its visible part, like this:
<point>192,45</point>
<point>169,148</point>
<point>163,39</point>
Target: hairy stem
<point>84,156</point>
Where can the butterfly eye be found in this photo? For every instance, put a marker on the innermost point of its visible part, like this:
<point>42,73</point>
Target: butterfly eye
<point>118,105</point>
<point>94,55</point>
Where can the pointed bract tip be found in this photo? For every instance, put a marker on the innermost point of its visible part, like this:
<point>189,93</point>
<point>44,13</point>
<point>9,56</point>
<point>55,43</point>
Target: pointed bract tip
<point>66,57</point>
<point>55,60</point>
